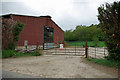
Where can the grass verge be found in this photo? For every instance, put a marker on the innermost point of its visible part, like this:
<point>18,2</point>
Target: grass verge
<point>105,62</point>
<point>12,53</point>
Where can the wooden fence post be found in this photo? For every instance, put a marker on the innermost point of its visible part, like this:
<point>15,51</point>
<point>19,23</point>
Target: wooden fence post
<point>86,50</point>
<point>104,51</point>
<point>65,50</point>
<point>75,48</point>
<point>95,52</point>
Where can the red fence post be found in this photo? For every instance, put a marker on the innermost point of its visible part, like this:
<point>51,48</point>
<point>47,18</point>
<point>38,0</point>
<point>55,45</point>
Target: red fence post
<point>43,46</point>
<point>86,50</point>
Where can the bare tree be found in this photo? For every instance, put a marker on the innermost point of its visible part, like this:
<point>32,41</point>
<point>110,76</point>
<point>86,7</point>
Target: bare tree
<point>7,32</point>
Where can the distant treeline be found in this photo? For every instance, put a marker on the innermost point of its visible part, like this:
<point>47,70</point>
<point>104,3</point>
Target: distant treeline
<point>83,33</point>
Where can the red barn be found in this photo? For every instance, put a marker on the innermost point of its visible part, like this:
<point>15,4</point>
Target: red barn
<point>40,29</point>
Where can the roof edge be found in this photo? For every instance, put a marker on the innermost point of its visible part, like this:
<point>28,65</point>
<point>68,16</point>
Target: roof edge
<point>47,16</point>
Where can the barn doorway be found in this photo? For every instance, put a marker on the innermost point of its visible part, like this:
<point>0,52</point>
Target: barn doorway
<point>48,37</point>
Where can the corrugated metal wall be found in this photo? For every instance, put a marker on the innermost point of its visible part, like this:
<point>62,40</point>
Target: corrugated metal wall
<point>33,30</point>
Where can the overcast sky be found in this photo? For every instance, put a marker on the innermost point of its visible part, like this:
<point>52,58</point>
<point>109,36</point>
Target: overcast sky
<point>66,13</point>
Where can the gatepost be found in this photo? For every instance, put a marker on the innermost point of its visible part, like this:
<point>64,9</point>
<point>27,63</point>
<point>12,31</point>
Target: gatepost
<point>86,50</point>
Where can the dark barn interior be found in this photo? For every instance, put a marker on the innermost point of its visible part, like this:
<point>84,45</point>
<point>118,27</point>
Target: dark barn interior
<point>48,34</point>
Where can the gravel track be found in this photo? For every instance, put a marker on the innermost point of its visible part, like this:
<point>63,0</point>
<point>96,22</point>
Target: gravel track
<point>58,66</point>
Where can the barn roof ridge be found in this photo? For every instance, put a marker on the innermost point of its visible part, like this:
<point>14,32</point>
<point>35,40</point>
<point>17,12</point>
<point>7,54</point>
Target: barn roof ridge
<point>47,16</point>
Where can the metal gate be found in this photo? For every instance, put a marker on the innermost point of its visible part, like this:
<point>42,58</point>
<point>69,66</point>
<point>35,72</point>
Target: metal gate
<point>70,50</point>
<point>77,51</point>
<point>47,46</point>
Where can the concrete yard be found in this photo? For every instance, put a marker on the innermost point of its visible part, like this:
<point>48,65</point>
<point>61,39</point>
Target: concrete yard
<point>58,66</point>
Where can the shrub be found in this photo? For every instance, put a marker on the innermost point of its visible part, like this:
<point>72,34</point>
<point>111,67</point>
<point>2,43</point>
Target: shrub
<point>7,53</point>
<point>95,41</point>
<point>12,53</point>
<point>36,53</point>
<point>10,33</point>
<point>110,25</point>
<point>113,56</point>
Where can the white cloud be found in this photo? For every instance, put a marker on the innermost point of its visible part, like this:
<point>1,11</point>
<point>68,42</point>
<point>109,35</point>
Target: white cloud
<point>66,13</point>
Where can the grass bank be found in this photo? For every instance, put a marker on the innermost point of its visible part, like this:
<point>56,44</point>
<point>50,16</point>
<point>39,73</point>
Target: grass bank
<point>12,53</point>
<point>89,43</point>
<point>105,62</point>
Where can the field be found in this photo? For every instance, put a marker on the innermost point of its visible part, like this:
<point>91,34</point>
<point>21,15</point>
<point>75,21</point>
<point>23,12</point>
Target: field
<point>89,43</point>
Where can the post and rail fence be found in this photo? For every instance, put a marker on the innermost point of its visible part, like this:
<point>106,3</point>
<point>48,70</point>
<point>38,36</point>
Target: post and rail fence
<point>72,48</point>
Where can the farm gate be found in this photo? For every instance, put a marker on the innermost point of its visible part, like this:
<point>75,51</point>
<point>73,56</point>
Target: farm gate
<point>74,49</point>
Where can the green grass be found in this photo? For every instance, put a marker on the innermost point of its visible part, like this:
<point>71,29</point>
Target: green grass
<point>12,53</point>
<point>7,53</point>
<point>89,43</point>
<point>105,62</point>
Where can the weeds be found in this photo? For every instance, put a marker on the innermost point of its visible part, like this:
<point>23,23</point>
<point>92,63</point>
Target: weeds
<point>110,63</point>
<point>12,53</point>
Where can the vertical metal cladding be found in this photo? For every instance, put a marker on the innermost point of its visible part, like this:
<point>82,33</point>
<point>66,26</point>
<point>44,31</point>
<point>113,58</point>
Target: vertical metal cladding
<point>33,30</point>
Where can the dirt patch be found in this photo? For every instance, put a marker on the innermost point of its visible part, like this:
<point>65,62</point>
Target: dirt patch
<point>56,66</point>
<point>109,70</point>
